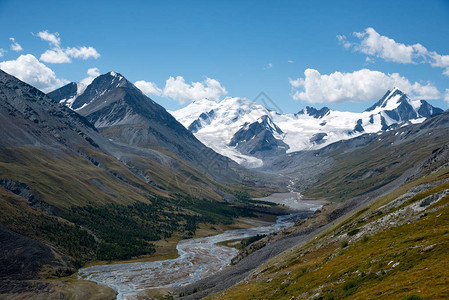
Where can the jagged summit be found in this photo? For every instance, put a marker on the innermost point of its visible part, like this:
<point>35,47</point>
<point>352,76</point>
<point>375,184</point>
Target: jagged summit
<point>398,106</point>
<point>395,94</point>
<point>77,94</point>
<point>313,112</point>
<point>100,86</point>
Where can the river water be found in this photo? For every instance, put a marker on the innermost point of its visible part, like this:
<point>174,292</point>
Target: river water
<point>197,259</point>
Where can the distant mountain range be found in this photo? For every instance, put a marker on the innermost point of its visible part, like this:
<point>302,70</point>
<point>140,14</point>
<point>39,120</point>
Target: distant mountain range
<point>249,133</point>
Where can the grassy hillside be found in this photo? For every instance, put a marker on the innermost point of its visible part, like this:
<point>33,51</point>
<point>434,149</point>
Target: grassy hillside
<point>88,206</point>
<point>393,248</point>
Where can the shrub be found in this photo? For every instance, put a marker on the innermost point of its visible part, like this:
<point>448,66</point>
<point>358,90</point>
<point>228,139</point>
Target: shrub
<point>349,284</point>
<point>328,297</point>
<point>344,244</point>
<point>349,287</point>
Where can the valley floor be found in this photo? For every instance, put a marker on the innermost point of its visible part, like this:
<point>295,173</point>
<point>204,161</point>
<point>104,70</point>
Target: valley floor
<point>166,248</point>
<point>197,259</point>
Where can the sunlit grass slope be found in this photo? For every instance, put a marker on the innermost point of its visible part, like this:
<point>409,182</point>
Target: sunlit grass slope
<point>393,248</point>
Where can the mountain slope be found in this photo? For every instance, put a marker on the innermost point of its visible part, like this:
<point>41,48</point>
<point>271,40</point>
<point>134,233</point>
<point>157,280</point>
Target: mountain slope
<point>391,248</point>
<point>126,116</point>
<point>217,123</point>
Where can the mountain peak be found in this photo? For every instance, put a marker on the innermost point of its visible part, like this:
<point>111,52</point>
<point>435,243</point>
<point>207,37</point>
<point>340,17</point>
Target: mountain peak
<point>392,99</point>
<point>396,106</point>
<point>205,101</point>
<point>112,78</point>
<point>396,90</point>
<point>115,75</point>
<point>76,95</point>
<point>313,112</point>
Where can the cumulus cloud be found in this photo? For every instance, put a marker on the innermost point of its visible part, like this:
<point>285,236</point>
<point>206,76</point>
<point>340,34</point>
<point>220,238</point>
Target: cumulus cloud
<point>15,46</point>
<point>358,86</point>
<point>440,61</point>
<point>52,38</point>
<point>59,55</point>
<point>82,52</point>
<point>93,73</point>
<point>55,56</point>
<point>179,90</point>
<point>148,88</point>
<point>2,52</point>
<point>27,68</point>
<point>373,44</point>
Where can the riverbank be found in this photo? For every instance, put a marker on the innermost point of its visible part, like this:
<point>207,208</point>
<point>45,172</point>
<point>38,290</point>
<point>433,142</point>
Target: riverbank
<point>166,248</point>
<point>266,248</point>
<point>197,258</point>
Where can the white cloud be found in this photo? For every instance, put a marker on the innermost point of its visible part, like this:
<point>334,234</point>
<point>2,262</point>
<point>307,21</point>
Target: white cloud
<point>15,46</point>
<point>82,52</point>
<point>93,73</point>
<point>177,89</point>
<point>268,66</point>
<point>52,38</point>
<point>58,55</point>
<point>291,61</point>
<point>358,86</point>
<point>343,40</point>
<point>148,88</point>
<point>55,56</point>
<point>2,52</point>
<point>427,91</point>
<point>27,68</point>
<point>441,61</point>
<point>373,44</point>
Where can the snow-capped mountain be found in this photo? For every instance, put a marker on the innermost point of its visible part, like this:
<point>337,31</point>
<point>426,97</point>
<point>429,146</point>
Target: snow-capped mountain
<point>215,123</point>
<point>260,136</point>
<point>249,133</point>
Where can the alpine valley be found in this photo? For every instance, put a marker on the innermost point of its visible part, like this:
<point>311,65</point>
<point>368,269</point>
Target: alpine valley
<point>100,175</point>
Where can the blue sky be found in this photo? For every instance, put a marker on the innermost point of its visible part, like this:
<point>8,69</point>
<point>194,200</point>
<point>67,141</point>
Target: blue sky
<point>245,46</point>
